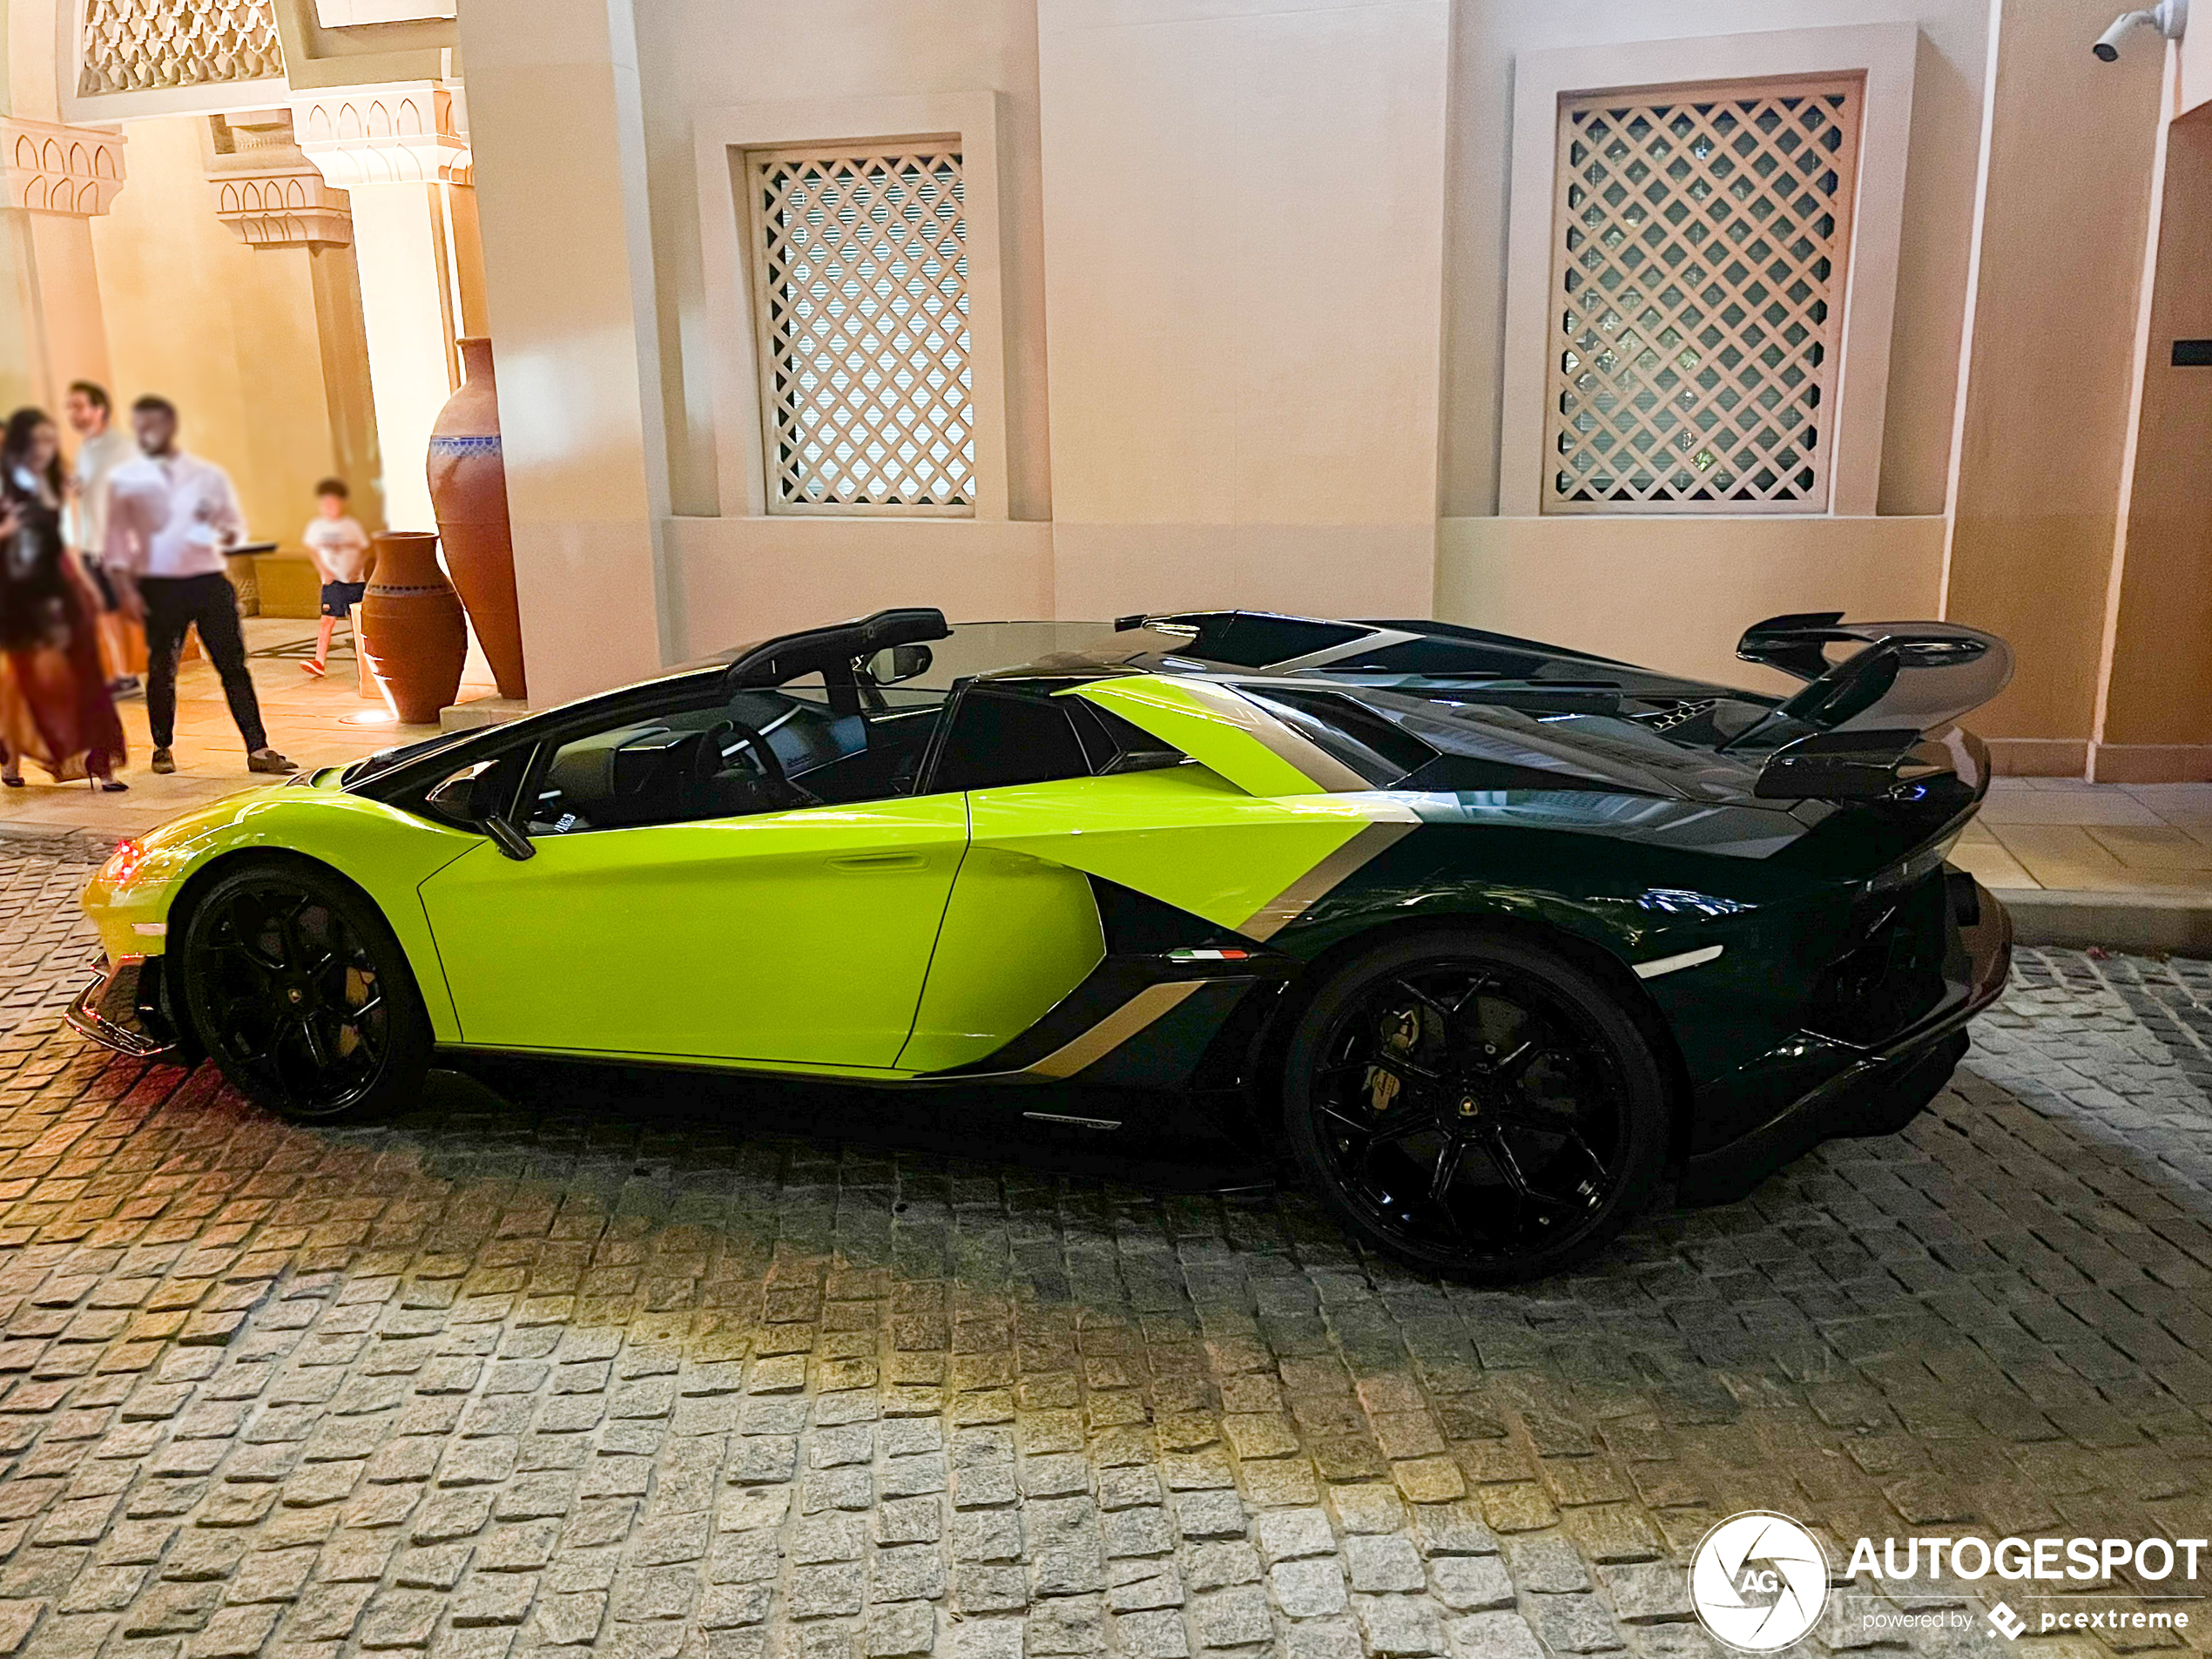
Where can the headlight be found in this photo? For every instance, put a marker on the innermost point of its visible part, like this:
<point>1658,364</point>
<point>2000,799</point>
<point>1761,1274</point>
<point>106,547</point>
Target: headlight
<point>123,863</point>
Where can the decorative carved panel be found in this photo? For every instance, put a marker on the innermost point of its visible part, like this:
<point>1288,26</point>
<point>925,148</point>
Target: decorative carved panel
<point>860,287</point>
<point>266,189</point>
<point>400,134</point>
<point>145,46</point>
<point>61,170</point>
<point>1698,251</point>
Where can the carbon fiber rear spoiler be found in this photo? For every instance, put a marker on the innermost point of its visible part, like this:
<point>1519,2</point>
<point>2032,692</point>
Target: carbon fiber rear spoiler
<point>1916,676</point>
<point>1879,721</point>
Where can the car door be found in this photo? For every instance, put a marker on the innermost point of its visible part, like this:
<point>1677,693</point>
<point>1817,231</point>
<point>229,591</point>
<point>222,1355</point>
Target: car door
<point>1023,929</point>
<point>795,937</point>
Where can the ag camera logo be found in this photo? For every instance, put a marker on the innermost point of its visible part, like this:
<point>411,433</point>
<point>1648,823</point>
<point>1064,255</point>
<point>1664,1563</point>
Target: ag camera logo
<point>1758,1581</point>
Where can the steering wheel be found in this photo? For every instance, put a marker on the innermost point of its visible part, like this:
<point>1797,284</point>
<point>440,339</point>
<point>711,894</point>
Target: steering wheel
<point>764,757</point>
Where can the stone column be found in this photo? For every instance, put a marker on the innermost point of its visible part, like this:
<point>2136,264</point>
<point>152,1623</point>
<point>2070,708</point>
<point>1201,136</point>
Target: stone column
<point>56,180</point>
<point>269,192</point>
<point>278,202</point>
<point>398,153</point>
<point>554,109</point>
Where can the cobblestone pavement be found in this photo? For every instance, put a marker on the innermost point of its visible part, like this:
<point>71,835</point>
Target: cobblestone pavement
<point>596,1371</point>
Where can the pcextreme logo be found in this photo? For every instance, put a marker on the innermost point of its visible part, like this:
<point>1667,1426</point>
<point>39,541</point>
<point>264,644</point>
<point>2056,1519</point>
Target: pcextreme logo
<point>1758,1581</point>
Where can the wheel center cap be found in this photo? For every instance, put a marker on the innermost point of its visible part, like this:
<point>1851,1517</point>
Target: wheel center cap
<point>294,996</point>
<point>1469,1107</point>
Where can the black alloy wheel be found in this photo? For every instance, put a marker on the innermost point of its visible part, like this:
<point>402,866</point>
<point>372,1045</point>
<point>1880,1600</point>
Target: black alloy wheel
<point>1475,1105</point>
<point>299,991</point>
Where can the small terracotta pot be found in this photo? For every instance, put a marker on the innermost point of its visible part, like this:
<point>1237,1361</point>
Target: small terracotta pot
<point>469,492</point>
<point>413,636</point>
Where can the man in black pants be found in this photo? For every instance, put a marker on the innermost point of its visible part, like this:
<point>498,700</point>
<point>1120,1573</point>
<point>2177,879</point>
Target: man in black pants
<point>169,517</point>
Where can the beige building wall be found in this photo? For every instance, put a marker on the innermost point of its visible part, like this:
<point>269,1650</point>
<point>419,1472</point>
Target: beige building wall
<point>2193,87</point>
<point>227,332</point>
<point>51,331</point>
<point>1934,243</point>
<point>1219,424</point>
<point>695,56</point>
<point>1272,355</point>
<point>1677,593</point>
<point>1253,264</point>
<point>2049,366</point>
<point>408,331</point>
<point>561,203</point>
<point>2156,719</point>
<point>1244,281</point>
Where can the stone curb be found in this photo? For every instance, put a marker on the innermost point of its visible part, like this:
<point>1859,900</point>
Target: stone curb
<point>2174,924</point>
<point>76,845</point>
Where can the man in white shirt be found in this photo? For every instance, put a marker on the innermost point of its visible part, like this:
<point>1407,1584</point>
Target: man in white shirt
<point>102,447</point>
<point>169,517</point>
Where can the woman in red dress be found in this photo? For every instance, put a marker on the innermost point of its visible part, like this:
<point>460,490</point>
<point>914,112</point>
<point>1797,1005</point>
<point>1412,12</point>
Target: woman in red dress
<point>54,702</point>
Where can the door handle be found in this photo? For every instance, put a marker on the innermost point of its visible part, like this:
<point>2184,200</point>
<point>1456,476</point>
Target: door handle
<point>864,862</point>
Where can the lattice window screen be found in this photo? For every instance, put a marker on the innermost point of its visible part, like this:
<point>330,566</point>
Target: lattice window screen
<point>861,283</point>
<point>1698,252</point>
<point>138,45</point>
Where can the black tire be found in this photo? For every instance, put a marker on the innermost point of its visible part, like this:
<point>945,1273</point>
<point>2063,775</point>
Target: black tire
<point>298,990</point>
<point>1475,1104</point>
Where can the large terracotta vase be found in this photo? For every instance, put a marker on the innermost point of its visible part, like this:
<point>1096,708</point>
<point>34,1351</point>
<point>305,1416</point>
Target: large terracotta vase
<point>469,493</point>
<point>413,636</point>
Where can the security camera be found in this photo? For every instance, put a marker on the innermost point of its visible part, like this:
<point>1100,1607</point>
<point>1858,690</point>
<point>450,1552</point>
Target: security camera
<point>2169,18</point>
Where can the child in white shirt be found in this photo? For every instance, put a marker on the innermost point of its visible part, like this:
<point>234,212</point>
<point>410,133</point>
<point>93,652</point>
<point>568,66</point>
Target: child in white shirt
<point>339,548</point>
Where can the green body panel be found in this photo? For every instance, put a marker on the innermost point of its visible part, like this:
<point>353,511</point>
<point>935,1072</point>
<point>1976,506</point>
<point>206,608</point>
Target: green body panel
<point>796,938</point>
<point>1211,723</point>
<point>1022,929</point>
<point>1183,834</point>
<point>1021,933</point>
<point>386,853</point>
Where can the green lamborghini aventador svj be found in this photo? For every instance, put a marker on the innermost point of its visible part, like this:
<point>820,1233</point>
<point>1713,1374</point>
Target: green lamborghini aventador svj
<point>1493,938</point>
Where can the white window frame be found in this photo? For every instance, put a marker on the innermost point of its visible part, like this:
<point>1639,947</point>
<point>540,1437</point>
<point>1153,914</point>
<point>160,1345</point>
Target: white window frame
<point>1883,54</point>
<point>724,139</point>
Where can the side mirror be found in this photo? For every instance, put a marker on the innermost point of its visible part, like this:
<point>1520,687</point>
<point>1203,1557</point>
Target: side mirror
<point>898,664</point>
<point>469,801</point>
<point>455,800</point>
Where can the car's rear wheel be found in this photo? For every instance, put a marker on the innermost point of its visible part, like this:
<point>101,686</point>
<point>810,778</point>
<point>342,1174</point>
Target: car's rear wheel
<point>298,990</point>
<point>1475,1104</point>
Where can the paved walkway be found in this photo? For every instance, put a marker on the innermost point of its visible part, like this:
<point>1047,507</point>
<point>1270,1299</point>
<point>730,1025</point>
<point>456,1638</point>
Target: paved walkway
<point>2060,834</point>
<point>317,723</point>
<point>594,1362</point>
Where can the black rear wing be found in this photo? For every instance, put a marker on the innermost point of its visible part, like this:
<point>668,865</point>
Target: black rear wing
<point>1862,725</point>
<point>1915,676</point>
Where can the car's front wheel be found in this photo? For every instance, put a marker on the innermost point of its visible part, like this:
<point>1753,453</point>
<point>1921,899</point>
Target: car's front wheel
<point>298,990</point>
<point>1475,1104</point>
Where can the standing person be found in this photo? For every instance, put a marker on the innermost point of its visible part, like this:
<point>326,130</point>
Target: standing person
<point>102,447</point>
<point>338,547</point>
<point>169,517</point>
<point>54,702</point>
